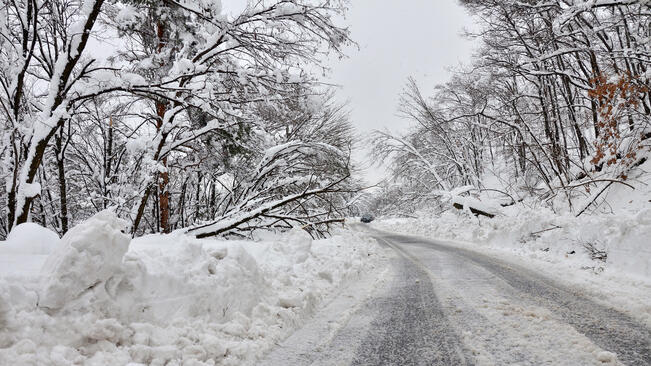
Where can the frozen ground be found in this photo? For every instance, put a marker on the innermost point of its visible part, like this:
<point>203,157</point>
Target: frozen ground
<point>96,298</point>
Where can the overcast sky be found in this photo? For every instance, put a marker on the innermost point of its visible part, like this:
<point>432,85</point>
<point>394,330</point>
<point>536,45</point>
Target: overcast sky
<point>397,39</point>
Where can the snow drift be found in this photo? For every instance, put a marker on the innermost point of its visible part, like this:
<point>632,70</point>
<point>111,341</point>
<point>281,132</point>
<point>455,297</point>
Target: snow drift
<point>542,234</point>
<point>90,256</point>
<point>30,238</point>
<point>103,299</point>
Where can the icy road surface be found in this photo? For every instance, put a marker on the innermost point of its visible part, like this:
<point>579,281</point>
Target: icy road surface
<point>440,305</point>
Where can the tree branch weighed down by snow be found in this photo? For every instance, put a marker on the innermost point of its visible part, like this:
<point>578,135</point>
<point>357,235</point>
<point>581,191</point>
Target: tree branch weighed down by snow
<point>185,98</point>
<point>258,204</point>
<point>234,221</point>
<point>56,107</point>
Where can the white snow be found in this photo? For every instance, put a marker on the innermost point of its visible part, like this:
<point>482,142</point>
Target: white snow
<point>90,258</point>
<point>553,245</point>
<point>606,357</point>
<point>31,189</point>
<point>25,250</point>
<point>103,299</point>
<point>29,238</point>
<point>128,16</point>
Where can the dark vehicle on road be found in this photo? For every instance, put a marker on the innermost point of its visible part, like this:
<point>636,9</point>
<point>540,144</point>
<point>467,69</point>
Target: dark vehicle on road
<point>366,218</point>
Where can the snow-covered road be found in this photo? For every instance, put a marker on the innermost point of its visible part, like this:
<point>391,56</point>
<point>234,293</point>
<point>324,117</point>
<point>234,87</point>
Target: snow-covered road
<point>440,305</point>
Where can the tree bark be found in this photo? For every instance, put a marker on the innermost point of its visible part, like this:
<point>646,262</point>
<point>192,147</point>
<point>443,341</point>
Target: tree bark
<point>163,180</point>
<point>63,198</point>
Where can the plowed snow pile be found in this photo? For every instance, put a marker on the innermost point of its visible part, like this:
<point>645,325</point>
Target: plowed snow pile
<point>99,298</point>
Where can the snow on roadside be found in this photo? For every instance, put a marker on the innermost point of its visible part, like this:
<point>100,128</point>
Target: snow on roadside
<point>170,299</point>
<point>30,238</point>
<point>25,250</point>
<point>555,245</point>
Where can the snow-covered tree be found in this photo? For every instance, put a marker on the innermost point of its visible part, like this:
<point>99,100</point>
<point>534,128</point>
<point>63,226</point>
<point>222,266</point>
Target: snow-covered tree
<point>557,91</point>
<point>185,95</point>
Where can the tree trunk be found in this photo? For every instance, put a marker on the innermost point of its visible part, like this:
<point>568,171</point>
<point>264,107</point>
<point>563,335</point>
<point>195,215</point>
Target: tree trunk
<point>11,195</point>
<point>63,198</point>
<point>108,166</point>
<point>163,180</point>
<point>24,204</point>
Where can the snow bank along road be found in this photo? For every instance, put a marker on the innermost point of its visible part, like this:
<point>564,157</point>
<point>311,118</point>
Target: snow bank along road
<point>441,305</point>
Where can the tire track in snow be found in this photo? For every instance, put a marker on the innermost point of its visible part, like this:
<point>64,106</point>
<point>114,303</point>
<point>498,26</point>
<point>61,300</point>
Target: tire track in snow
<point>498,325</point>
<point>448,306</point>
<point>314,343</point>
<point>608,328</point>
<point>462,287</point>
<point>410,327</point>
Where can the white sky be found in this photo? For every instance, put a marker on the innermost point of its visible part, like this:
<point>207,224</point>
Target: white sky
<point>397,39</point>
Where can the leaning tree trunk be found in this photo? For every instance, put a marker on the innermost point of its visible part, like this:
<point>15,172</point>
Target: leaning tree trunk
<point>39,142</point>
<point>63,197</point>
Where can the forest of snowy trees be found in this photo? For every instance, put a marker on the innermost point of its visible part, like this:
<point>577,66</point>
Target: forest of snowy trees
<point>172,113</point>
<point>183,117</point>
<point>555,103</point>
